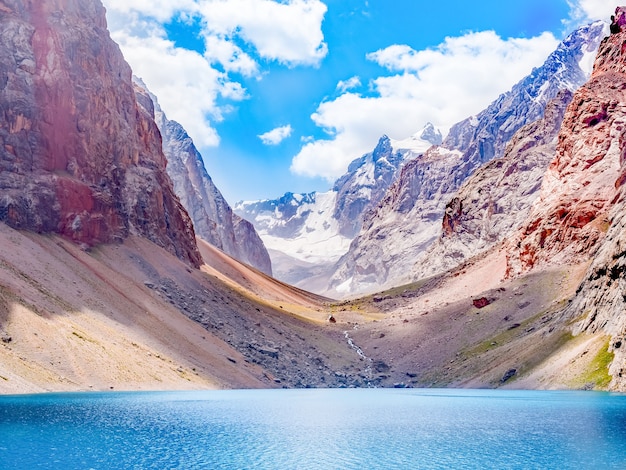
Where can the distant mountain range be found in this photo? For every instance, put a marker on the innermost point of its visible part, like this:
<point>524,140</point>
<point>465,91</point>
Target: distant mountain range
<point>308,233</point>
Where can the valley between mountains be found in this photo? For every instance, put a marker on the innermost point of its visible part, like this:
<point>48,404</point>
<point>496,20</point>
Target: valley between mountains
<point>133,317</point>
<point>491,257</point>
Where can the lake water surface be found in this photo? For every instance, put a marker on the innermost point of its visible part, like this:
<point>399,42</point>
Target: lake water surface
<point>315,429</point>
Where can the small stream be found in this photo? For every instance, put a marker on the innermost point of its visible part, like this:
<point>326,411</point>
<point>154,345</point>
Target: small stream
<point>367,372</point>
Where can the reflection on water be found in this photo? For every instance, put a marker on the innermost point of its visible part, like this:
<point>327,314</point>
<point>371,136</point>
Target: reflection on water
<point>315,429</point>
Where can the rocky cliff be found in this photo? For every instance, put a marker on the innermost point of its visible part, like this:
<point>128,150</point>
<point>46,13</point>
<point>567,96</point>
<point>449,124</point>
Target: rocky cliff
<point>78,156</point>
<point>581,212</point>
<point>494,201</point>
<point>408,219</point>
<point>213,218</point>
<point>572,214</point>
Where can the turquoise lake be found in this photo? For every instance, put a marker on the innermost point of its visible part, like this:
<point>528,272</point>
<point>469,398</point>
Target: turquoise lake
<point>315,429</point>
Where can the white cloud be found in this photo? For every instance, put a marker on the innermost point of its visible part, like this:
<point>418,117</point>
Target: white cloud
<point>442,85</point>
<point>186,85</point>
<point>276,136</point>
<point>289,32</point>
<point>584,11</point>
<point>230,55</point>
<point>160,10</point>
<point>350,84</point>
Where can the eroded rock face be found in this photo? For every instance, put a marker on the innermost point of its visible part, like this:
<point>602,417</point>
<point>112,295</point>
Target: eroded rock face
<point>77,155</point>
<point>601,298</point>
<point>570,218</point>
<point>213,218</point>
<point>494,202</point>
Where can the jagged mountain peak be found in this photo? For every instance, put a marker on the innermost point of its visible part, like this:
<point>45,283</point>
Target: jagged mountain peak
<point>383,148</point>
<point>430,134</point>
<point>421,141</point>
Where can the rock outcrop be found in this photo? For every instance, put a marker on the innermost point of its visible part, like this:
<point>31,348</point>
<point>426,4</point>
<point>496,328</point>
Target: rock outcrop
<point>212,217</point>
<point>581,212</point>
<point>408,219</point>
<point>494,202</point>
<point>78,156</point>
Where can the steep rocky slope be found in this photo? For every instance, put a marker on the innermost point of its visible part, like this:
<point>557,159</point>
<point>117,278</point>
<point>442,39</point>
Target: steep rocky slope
<point>212,216</point>
<point>407,219</point>
<point>78,156</point>
<point>494,201</point>
<point>571,216</point>
<point>73,320</point>
<point>580,213</point>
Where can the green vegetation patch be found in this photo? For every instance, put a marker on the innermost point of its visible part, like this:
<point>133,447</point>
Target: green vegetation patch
<point>597,373</point>
<point>84,337</point>
<point>503,338</point>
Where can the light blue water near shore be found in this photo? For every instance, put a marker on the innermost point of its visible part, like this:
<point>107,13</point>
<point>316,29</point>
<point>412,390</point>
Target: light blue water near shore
<point>315,429</point>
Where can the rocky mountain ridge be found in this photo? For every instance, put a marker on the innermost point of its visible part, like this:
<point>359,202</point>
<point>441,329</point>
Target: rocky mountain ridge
<point>89,167</point>
<point>212,217</point>
<point>408,219</point>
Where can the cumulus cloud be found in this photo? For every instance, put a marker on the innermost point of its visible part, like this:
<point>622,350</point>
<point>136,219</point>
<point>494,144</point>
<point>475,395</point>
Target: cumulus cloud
<point>193,86</point>
<point>591,10</point>
<point>442,85</point>
<point>230,56</point>
<point>160,10</point>
<point>276,136</point>
<point>187,86</point>
<point>350,84</point>
<point>289,32</point>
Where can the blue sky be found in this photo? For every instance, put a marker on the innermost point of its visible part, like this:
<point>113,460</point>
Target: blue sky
<point>281,95</point>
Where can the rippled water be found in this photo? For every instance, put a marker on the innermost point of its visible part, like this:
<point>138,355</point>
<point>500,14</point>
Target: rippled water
<point>314,429</point>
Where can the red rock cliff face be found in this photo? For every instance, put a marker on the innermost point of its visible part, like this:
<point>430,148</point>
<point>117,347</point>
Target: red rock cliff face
<point>77,155</point>
<point>600,302</point>
<point>572,214</point>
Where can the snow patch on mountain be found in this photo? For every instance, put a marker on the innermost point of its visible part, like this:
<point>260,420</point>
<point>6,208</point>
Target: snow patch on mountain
<point>316,239</point>
<point>419,142</point>
<point>317,228</point>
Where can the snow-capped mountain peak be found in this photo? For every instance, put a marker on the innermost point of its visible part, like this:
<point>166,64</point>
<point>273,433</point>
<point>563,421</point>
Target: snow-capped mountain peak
<point>421,141</point>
